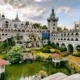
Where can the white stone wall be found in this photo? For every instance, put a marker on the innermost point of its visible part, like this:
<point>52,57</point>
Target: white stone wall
<point>21,29</point>
<point>67,37</point>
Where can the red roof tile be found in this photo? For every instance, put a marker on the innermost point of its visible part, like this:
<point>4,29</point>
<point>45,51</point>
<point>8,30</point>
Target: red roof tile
<point>3,62</point>
<point>56,55</point>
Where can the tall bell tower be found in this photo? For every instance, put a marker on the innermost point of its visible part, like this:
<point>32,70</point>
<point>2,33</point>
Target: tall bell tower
<point>52,23</point>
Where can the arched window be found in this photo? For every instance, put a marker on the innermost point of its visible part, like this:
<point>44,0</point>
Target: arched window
<point>3,34</point>
<point>64,34</point>
<point>19,30</point>
<point>58,39</point>
<point>23,30</point>
<point>6,34</point>
<point>15,25</point>
<point>22,25</point>
<point>68,39</point>
<point>77,34</point>
<point>5,29</point>
<point>68,34</point>
<point>72,39</point>
<point>8,29</point>
<point>15,30</point>
<point>61,39</point>
<point>6,24</point>
<point>2,29</point>
<point>12,30</point>
<point>61,34</point>
<point>64,38</point>
<point>53,27</point>
<point>71,33</point>
<point>76,39</point>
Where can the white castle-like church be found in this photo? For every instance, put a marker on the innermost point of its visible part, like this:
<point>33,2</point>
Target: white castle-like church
<point>68,37</point>
<point>25,30</point>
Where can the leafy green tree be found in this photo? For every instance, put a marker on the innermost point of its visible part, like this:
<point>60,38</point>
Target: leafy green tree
<point>6,43</point>
<point>44,27</point>
<point>78,48</point>
<point>11,41</point>
<point>65,29</point>
<point>63,49</point>
<point>15,54</point>
<point>37,25</point>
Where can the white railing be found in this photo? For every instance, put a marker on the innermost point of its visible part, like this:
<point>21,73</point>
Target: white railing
<point>2,70</point>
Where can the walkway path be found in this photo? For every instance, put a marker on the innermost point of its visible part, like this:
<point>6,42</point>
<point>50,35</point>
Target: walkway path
<point>74,62</point>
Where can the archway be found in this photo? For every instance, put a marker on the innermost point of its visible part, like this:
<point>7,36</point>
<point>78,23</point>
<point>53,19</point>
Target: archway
<point>63,45</point>
<point>70,48</point>
<point>78,47</point>
<point>57,44</point>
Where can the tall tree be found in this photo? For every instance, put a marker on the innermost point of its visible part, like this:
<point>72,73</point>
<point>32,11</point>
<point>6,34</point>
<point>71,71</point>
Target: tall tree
<point>44,27</point>
<point>15,54</point>
<point>65,29</point>
<point>59,29</point>
<point>37,25</point>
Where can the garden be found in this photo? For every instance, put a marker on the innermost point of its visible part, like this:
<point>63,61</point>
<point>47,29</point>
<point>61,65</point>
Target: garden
<point>41,61</point>
<point>16,71</point>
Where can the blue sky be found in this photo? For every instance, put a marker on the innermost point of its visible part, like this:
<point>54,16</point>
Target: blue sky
<point>68,11</point>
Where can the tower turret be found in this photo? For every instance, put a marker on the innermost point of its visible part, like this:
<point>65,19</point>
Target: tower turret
<point>17,18</point>
<point>52,22</point>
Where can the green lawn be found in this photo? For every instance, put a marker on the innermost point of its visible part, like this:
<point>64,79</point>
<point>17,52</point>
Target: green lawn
<point>14,72</point>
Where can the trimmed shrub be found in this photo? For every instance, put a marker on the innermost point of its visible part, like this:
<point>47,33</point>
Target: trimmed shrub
<point>45,50</point>
<point>76,53</point>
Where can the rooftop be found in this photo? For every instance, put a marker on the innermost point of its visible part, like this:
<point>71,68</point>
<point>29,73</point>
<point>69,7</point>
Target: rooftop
<point>3,62</point>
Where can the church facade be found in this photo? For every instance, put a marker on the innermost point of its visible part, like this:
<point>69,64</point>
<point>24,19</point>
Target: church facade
<point>63,38</point>
<point>27,33</point>
<point>24,31</point>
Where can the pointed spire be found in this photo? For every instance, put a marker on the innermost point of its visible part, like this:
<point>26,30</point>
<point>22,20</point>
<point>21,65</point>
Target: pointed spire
<point>53,10</point>
<point>17,18</point>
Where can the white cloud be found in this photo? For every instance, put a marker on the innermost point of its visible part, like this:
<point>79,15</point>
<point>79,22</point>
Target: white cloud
<point>38,0</point>
<point>25,8</point>
<point>69,26</point>
<point>41,0</point>
<point>64,9</point>
<point>33,11</point>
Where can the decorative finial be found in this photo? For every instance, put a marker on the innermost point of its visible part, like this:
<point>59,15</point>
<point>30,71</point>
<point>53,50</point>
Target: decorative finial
<point>17,17</point>
<point>52,10</point>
